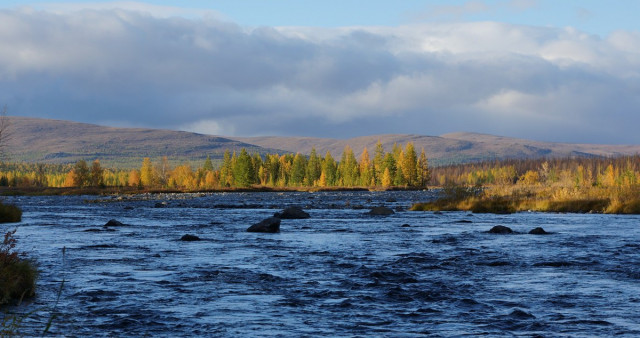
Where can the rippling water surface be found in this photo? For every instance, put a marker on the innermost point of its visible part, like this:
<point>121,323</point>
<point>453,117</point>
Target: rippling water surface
<point>340,273</point>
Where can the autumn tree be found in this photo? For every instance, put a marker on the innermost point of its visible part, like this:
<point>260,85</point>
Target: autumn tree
<point>146,173</point>
<point>387,180</point>
<point>389,165</point>
<point>163,171</point>
<point>378,162</point>
<point>134,178</point>
<point>424,174</point>
<point>410,165</point>
<point>226,174</point>
<point>96,175</point>
<point>348,168</point>
<point>271,169</point>
<point>329,170</point>
<point>256,161</point>
<point>399,179</point>
<point>366,169</point>
<point>80,174</point>
<point>298,170</point>
<point>182,177</point>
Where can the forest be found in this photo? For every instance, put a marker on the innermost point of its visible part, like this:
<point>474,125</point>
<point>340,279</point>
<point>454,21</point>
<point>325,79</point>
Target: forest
<point>401,167</point>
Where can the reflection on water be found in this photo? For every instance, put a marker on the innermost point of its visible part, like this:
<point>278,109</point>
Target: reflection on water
<point>341,272</point>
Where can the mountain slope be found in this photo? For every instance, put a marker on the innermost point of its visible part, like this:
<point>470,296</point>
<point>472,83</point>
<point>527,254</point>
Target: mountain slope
<point>447,149</point>
<point>55,141</point>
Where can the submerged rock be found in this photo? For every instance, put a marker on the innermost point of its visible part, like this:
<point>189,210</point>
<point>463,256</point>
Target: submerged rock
<point>189,238</point>
<point>270,225</point>
<point>114,223</point>
<point>538,231</point>
<point>500,229</point>
<point>292,213</point>
<point>381,211</point>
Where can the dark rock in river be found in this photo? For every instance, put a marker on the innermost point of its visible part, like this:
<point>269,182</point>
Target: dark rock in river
<point>189,238</point>
<point>114,223</point>
<point>500,229</point>
<point>538,231</point>
<point>406,225</point>
<point>381,211</point>
<point>271,225</point>
<point>292,213</point>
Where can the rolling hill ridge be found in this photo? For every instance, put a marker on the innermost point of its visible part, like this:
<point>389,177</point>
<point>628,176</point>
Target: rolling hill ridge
<point>56,141</point>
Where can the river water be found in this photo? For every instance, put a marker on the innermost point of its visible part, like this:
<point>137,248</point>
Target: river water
<point>341,272</point>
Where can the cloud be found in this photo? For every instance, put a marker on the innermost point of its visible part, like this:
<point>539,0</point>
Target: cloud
<point>127,67</point>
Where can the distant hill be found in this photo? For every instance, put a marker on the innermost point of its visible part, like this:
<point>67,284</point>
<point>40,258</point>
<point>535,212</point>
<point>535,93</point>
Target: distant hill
<point>55,141</point>
<point>447,149</point>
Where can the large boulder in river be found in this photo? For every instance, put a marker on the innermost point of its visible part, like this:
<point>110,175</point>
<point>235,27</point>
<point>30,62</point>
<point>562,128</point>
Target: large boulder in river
<point>292,213</point>
<point>538,231</point>
<point>189,238</point>
<point>381,211</point>
<point>500,229</point>
<point>114,223</point>
<point>270,225</point>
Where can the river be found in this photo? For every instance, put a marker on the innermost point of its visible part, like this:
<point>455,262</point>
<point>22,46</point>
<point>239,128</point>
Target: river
<point>341,272</point>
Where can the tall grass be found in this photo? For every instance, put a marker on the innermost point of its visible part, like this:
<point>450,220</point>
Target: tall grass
<point>508,199</point>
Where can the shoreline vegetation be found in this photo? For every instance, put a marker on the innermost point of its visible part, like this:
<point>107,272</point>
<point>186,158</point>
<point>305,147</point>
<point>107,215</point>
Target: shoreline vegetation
<point>573,185</point>
<point>46,191</point>
<point>402,167</point>
<point>576,184</point>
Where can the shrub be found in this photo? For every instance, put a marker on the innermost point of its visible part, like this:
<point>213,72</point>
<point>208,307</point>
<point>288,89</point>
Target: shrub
<point>10,213</point>
<point>495,205</point>
<point>17,275</point>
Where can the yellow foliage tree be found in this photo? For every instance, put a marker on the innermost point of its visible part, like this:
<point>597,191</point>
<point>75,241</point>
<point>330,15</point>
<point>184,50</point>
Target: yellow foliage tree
<point>134,178</point>
<point>387,180</point>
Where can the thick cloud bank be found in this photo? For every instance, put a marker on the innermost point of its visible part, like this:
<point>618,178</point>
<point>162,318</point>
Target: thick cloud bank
<point>124,67</point>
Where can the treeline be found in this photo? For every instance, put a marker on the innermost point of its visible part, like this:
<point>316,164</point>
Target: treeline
<point>401,167</point>
<point>621,171</point>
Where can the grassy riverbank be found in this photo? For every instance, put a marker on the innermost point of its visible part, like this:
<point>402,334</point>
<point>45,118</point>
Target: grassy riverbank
<point>501,199</point>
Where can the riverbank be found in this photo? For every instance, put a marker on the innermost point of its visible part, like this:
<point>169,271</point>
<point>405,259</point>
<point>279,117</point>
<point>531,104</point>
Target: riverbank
<point>504,200</point>
<point>45,191</point>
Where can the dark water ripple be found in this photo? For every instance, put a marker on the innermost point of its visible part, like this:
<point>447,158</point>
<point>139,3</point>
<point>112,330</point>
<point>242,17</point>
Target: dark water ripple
<point>339,273</point>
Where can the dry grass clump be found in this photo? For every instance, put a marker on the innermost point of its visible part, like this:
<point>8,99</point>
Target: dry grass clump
<point>509,199</point>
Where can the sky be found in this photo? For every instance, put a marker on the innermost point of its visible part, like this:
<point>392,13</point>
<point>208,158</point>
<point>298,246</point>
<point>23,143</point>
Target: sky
<point>562,71</point>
